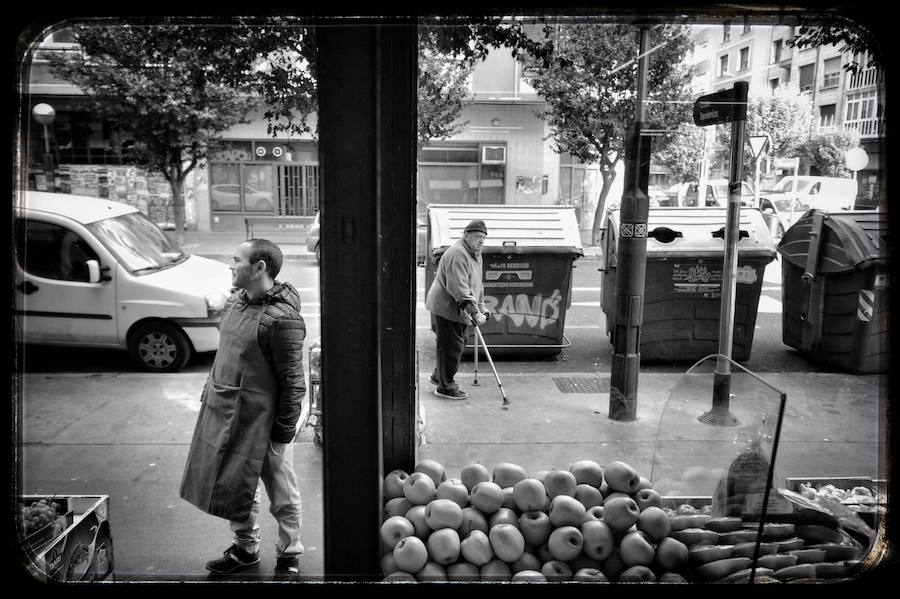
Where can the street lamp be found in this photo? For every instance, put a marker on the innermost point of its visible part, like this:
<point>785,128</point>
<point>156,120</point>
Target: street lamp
<point>44,114</point>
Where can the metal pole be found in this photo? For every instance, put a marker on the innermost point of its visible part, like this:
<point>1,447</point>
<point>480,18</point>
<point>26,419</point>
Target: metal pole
<point>632,257</point>
<point>720,414</point>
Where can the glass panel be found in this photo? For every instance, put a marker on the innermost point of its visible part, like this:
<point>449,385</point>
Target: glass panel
<point>491,186</point>
<point>448,184</point>
<point>259,188</point>
<point>53,252</point>
<point>225,187</point>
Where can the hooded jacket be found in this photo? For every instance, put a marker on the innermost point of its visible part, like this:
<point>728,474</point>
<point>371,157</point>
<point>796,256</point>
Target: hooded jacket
<point>456,280</point>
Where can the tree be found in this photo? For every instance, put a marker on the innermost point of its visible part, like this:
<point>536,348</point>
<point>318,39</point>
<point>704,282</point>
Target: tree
<point>684,151</point>
<point>588,78</point>
<point>847,34</point>
<point>827,152</point>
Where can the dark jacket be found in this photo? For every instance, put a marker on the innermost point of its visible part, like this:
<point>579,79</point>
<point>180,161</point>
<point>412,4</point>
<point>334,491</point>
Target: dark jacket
<point>281,335</point>
<point>457,279</point>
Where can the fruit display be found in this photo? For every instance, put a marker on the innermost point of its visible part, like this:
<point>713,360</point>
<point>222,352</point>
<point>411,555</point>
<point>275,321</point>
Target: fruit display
<point>587,523</point>
<point>41,520</point>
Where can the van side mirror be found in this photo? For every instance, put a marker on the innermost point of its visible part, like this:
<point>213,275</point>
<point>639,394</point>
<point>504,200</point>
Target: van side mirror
<point>96,273</point>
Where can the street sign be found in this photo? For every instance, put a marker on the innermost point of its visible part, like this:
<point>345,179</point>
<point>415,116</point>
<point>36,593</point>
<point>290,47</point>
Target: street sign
<point>759,144</point>
<point>720,107</point>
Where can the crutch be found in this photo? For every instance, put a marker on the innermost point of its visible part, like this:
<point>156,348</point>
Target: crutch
<point>478,335</point>
<point>475,382</point>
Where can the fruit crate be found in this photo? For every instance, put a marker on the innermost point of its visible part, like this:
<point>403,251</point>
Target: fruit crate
<point>35,539</point>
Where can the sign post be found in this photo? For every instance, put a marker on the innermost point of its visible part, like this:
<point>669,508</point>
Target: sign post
<point>760,146</point>
<point>729,105</point>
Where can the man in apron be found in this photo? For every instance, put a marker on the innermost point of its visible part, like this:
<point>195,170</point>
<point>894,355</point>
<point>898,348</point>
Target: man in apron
<point>248,414</point>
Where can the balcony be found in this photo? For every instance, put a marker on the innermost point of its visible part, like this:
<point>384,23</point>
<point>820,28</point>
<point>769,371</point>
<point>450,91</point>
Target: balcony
<point>864,78</point>
<point>867,128</point>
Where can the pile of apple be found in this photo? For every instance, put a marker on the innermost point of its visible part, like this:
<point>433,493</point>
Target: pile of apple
<point>588,523</point>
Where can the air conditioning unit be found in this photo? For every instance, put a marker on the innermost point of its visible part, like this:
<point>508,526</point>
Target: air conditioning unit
<point>493,154</point>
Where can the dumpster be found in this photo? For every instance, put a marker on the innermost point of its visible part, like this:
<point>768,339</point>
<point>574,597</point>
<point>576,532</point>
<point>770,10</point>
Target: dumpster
<point>683,284</point>
<point>528,258</point>
<point>835,286</point>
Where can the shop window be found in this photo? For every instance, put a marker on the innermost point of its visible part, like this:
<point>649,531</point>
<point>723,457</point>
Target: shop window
<point>466,173</point>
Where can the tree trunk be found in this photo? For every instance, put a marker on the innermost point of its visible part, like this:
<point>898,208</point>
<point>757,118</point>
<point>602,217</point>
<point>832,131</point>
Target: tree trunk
<point>609,175</point>
<point>176,181</point>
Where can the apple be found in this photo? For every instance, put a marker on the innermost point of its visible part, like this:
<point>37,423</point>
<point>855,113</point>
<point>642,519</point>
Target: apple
<point>507,542</point>
<point>565,510</point>
<point>621,477</point>
<point>593,513</point>
<point>443,546</point>
<point>410,554</point>
<point>416,515</point>
<point>419,488</point>
<point>395,529</point>
<point>539,474</point>
<point>495,570</point>
<point>675,578</point>
<point>472,474</point>
<point>587,472</point>
<point>487,497</point>
<point>556,570</point>
<point>508,501</point>
<point>613,565</point>
<point>399,576</point>
<point>654,522</point>
<point>462,571</point>
<point>599,540</point>
<point>560,482</point>
<point>453,490</point>
<point>637,573</point>
<point>590,575</point>
<point>443,513</point>
<point>620,513</point>
<point>393,484</point>
<point>565,543</point>
<point>583,561</point>
<point>388,564</point>
<point>472,519</point>
<point>644,483</point>
<point>528,561</point>
<point>535,526</point>
<point>615,494</point>
<point>588,495</point>
<point>507,475</point>
<point>636,549</point>
<point>432,468</point>
<point>671,555</point>
<point>543,553</point>
<point>398,506</point>
<point>528,576</point>
<point>476,548</point>
<point>646,498</point>
<point>504,515</point>
<point>430,572</point>
<point>529,494</point>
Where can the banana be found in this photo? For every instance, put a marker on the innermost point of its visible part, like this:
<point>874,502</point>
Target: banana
<point>747,549</point>
<point>778,530</point>
<point>738,536</point>
<point>837,553</point>
<point>695,536</point>
<point>808,556</point>
<point>703,554</point>
<point>682,521</point>
<point>817,533</point>
<point>743,576</point>
<point>724,524</point>
<point>777,561</point>
<point>831,570</point>
<point>789,544</point>
<point>719,569</point>
<point>795,572</point>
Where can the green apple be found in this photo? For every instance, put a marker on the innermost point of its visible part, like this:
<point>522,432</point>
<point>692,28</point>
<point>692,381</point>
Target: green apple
<point>443,546</point>
<point>560,482</point>
<point>410,554</point>
<point>472,474</point>
<point>565,510</point>
<point>388,564</point>
<point>565,543</point>
<point>587,472</point>
<point>472,519</point>
<point>528,561</point>
<point>588,495</point>
<point>535,526</point>
<point>556,570</point>
<point>504,515</point>
<point>463,571</point>
<point>620,513</point>
<point>613,565</point>
<point>508,501</point>
<point>529,494</point>
<point>615,494</point>
<point>593,513</point>
<point>432,468</point>
<point>398,506</point>
<point>393,484</point>
<point>419,488</point>
<point>543,552</point>
<point>454,490</point>
<point>645,498</point>
<point>487,497</point>
<point>599,541</point>
<point>396,528</point>
<point>506,474</point>
<point>416,515</point>
<point>638,573</point>
<point>528,576</point>
<point>476,548</point>
<point>443,513</point>
<point>539,474</point>
<point>431,572</point>
<point>621,477</point>
<point>644,483</point>
<point>654,522</point>
<point>507,542</point>
<point>671,555</point>
<point>495,570</point>
<point>589,575</point>
<point>399,576</point>
<point>636,549</point>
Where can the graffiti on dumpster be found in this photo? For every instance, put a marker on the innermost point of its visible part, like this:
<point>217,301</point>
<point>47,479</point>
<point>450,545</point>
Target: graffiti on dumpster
<point>697,279</point>
<point>535,311</point>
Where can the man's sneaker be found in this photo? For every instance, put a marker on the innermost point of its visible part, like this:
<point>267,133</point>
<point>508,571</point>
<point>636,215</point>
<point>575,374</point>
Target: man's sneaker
<point>451,394</point>
<point>287,567</point>
<point>233,559</point>
<point>434,380</point>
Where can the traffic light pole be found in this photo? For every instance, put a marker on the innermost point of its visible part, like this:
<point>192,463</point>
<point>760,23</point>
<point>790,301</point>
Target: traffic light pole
<point>632,259</point>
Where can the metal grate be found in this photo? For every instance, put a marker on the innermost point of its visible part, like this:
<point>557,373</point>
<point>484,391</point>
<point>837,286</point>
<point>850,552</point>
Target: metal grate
<point>582,384</point>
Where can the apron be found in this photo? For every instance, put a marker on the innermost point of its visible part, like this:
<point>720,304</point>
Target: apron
<point>234,425</point>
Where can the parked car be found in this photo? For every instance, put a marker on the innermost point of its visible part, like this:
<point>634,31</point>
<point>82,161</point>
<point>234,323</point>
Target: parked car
<point>312,237</point>
<point>313,242</point>
<point>227,196</point>
<point>91,272</point>
<point>794,195</point>
<point>715,193</point>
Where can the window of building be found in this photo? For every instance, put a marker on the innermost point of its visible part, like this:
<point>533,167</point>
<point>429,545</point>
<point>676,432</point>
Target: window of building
<point>726,31</point>
<point>773,83</point>
<point>745,59</point>
<point>832,72</point>
<point>723,65</point>
<point>578,186</point>
<point>746,25</point>
<point>806,77</point>
<point>776,50</point>
<point>462,173</point>
<point>860,106</point>
<point>826,115</point>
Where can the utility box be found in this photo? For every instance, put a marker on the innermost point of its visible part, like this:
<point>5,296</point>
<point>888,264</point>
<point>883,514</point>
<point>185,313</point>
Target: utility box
<point>683,283</point>
<point>528,258</point>
<point>835,283</point>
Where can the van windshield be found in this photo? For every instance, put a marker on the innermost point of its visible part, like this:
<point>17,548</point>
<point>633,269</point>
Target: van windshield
<point>138,244</point>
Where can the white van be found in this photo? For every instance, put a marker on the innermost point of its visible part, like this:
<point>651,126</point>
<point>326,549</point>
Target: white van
<point>97,273</point>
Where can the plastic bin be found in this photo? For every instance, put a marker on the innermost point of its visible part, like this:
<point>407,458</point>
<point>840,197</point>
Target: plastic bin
<point>683,283</point>
<point>835,286</point>
<point>528,257</point>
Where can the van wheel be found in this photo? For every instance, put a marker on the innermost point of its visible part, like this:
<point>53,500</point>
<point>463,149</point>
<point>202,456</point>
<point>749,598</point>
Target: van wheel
<point>159,347</point>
